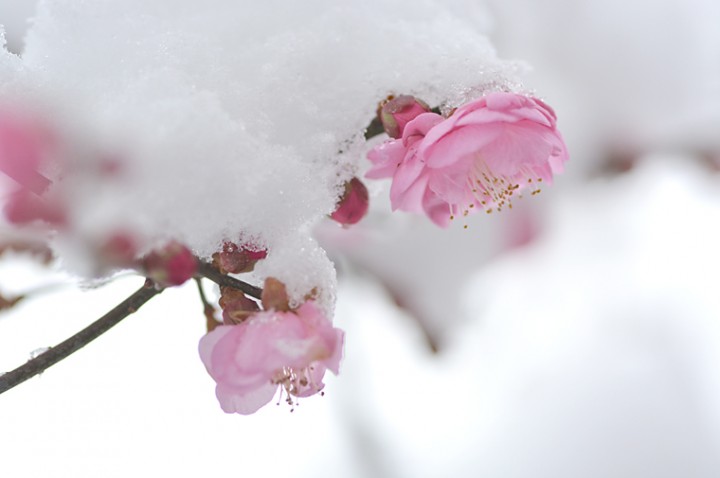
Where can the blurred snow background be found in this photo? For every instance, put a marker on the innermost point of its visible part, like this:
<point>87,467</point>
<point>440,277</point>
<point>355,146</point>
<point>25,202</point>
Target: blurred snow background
<point>576,337</point>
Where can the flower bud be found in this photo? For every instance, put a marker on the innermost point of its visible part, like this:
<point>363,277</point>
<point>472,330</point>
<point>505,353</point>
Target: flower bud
<point>274,295</point>
<point>398,112</point>
<point>353,204</point>
<point>118,250</point>
<point>236,259</point>
<point>236,306</point>
<point>170,265</point>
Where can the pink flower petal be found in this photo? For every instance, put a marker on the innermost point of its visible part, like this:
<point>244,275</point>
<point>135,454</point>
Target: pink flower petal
<point>385,157</point>
<point>246,403</point>
<point>406,173</point>
<point>436,208</point>
<point>418,128</point>
<point>410,199</point>
<point>443,150</point>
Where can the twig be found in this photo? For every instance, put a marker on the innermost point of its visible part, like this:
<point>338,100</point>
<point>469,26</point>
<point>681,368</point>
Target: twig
<point>76,342</point>
<point>203,298</point>
<point>209,311</point>
<point>10,302</point>
<point>209,272</point>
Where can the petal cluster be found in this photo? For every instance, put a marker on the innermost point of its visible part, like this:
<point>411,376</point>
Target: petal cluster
<point>271,349</point>
<point>479,158</point>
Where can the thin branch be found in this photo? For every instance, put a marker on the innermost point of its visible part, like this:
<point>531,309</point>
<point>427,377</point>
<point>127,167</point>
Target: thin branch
<point>76,342</point>
<point>203,298</point>
<point>208,309</point>
<point>209,272</point>
<point>7,303</point>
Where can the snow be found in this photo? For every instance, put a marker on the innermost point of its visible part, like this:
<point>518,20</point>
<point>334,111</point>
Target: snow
<point>592,351</point>
<point>232,120</point>
<point>630,76</point>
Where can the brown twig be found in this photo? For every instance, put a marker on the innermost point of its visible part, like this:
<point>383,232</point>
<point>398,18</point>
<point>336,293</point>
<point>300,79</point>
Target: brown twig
<point>209,272</point>
<point>10,302</point>
<point>208,309</point>
<point>76,342</point>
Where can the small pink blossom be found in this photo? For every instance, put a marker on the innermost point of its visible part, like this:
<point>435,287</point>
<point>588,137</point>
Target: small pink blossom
<point>271,349</point>
<point>171,265</point>
<point>353,204</point>
<point>479,158</point>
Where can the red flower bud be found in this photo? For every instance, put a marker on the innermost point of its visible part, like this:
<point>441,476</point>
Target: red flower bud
<point>353,204</point>
<point>236,259</point>
<point>170,265</point>
<point>118,250</point>
<point>398,112</point>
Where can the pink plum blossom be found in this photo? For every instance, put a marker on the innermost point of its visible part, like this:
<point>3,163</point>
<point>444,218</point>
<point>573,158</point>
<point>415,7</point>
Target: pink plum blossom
<point>487,152</point>
<point>271,349</point>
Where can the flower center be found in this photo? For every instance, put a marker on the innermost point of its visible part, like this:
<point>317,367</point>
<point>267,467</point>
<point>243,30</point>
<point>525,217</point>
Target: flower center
<point>294,382</point>
<point>491,191</point>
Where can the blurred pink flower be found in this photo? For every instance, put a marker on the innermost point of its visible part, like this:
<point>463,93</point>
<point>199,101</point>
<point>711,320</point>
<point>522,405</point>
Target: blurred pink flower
<point>479,158</point>
<point>22,206</point>
<point>26,146</point>
<point>270,349</point>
